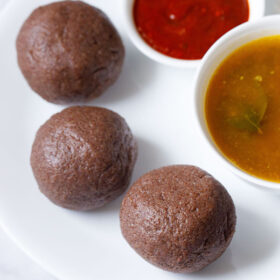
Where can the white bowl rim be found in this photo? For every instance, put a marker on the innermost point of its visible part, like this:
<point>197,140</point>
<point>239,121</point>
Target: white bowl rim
<point>257,9</point>
<point>270,185</point>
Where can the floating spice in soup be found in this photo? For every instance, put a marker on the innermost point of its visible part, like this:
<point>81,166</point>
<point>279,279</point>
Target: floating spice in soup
<point>242,108</point>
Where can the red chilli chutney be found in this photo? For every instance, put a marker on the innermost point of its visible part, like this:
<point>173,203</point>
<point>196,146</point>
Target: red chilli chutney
<point>186,29</point>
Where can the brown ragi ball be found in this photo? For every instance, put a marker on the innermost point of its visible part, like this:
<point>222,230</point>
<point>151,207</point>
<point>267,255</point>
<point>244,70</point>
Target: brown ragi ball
<point>178,218</point>
<point>69,51</point>
<point>83,157</point>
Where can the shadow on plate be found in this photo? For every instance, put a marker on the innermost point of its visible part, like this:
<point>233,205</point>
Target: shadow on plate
<point>137,73</point>
<point>150,157</point>
<point>254,242</point>
<point>265,191</point>
<point>272,7</point>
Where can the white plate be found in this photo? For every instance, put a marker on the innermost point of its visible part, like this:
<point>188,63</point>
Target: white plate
<point>156,101</point>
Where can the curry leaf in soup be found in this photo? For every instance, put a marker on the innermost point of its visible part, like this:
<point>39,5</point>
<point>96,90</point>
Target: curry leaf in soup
<point>247,113</point>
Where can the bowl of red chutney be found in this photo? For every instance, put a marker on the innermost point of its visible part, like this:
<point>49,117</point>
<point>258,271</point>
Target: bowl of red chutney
<point>180,32</point>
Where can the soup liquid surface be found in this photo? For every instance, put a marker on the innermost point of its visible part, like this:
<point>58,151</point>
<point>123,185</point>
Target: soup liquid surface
<point>242,108</point>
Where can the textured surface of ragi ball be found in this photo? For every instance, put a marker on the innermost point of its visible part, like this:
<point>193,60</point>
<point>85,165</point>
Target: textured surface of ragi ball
<point>83,157</point>
<point>178,218</point>
<point>69,51</point>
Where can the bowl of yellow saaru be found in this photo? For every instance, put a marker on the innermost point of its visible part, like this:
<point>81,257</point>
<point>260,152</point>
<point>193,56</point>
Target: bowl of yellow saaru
<point>237,101</point>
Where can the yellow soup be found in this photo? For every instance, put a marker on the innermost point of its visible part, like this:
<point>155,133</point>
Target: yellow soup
<point>242,108</point>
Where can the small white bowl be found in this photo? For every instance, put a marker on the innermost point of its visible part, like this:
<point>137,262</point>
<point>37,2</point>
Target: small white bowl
<point>217,53</point>
<point>257,8</point>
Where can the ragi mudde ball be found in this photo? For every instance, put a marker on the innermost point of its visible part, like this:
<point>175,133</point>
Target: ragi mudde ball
<point>83,157</point>
<point>69,51</point>
<point>178,218</point>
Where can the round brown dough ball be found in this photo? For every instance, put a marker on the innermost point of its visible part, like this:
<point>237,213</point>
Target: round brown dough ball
<point>178,218</point>
<point>83,157</point>
<point>69,51</point>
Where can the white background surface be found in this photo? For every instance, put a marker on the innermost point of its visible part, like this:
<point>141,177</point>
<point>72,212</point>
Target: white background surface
<point>15,265</point>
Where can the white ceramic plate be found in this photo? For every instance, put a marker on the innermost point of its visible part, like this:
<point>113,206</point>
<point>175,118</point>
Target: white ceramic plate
<point>156,101</point>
